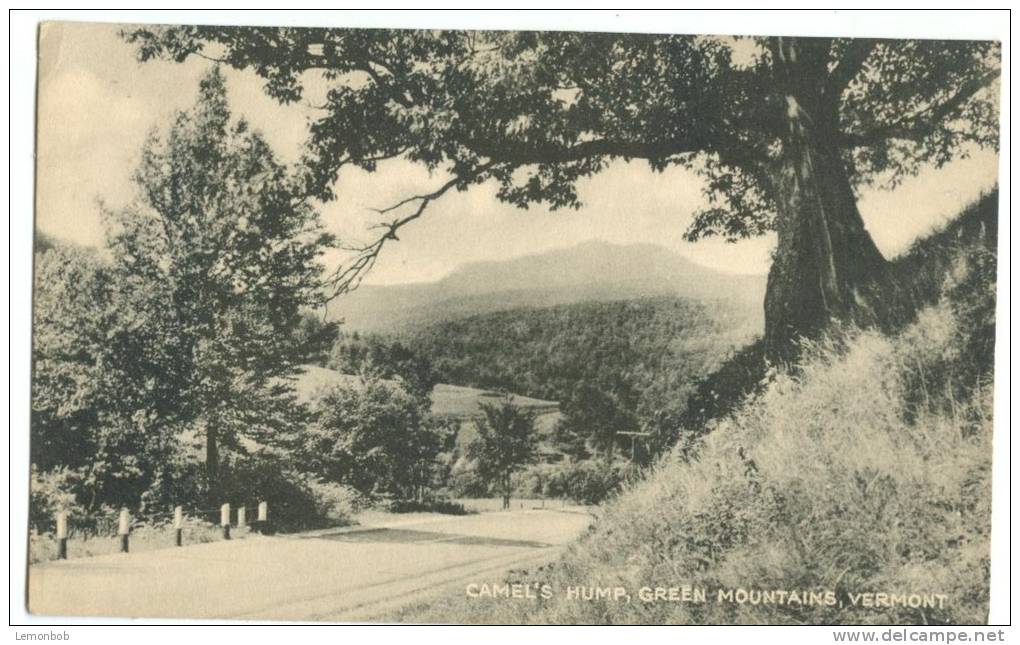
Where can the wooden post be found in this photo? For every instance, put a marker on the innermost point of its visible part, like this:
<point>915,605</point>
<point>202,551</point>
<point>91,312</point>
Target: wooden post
<point>241,519</point>
<point>179,525</point>
<point>225,520</point>
<point>62,535</point>
<point>263,516</point>
<point>124,529</point>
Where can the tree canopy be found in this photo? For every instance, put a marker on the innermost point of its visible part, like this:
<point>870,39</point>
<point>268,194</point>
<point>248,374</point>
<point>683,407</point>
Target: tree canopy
<point>506,441</point>
<point>216,235</point>
<point>375,436</point>
<point>782,129</point>
<point>537,111</point>
<point>104,404</point>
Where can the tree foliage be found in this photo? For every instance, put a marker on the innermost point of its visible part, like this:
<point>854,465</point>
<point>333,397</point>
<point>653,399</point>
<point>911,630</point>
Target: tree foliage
<point>375,436</point>
<point>316,336</point>
<point>506,441</point>
<point>183,325</point>
<point>591,420</point>
<point>378,357</point>
<point>537,111</point>
<point>216,231</point>
<point>104,403</point>
<point>636,361</point>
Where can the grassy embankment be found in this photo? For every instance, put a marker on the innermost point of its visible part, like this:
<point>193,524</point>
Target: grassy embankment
<point>865,470</point>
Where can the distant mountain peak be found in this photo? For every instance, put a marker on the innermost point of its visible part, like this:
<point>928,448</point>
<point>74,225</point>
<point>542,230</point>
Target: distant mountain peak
<point>591,270</point>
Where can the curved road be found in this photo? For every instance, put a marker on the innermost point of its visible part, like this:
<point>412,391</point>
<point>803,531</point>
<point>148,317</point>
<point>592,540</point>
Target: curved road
<point>353,574</point>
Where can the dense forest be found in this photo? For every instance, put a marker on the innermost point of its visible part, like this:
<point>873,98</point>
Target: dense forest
<point>626,365</point>
<point>622,346</point>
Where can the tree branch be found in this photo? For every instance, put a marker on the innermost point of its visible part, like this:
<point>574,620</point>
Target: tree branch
<point>348,277</point>
<point>513,153</point>
<point>848,67</point>
<point>923,122</point>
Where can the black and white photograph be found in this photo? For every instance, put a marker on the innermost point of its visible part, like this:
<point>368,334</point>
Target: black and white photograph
<point>499,326</point>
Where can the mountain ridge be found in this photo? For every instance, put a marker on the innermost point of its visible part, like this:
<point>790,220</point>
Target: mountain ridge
<point>590,271</point>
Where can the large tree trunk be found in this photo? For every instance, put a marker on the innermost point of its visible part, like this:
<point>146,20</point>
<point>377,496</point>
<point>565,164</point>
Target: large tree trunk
<point>823,254</point>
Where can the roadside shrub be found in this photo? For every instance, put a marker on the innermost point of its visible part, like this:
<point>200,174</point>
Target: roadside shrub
<point>465,480</point>
<point>50,492</point>
<point>297,501</point>
<point>336,502</point>
<point>436,505</point>
<point>585,482</point>
<point>178,480</point>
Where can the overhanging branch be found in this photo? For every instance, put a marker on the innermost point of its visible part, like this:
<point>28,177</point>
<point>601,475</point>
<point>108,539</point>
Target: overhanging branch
<point>919,124</point>
<point>348,277</point>
<point>527,154</point>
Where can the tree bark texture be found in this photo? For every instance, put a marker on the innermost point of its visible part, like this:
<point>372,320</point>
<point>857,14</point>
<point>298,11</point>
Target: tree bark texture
<point>824,255</point>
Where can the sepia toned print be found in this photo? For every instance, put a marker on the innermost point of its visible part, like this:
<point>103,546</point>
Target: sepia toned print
<point>425,326</point>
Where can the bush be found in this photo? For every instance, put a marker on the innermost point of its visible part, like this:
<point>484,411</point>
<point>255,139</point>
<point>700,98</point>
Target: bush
<point>465,480</point>
<point>436,505</point>
<point>336,502</point>
<point>585,482</point>
<point>297,501</point>
<point>50,492</point>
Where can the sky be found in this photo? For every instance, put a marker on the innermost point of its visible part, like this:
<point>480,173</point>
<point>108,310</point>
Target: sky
<point>96,104</point>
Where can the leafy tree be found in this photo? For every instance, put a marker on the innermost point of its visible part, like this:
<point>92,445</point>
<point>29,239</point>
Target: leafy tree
<point>785,130</point>
<point>316,336</point>
<point>216,232</point>
<point>375,436</point>
<point>593,417</point>
<point>506,441</point>
<point>103,401</point>
<point>383,358</point>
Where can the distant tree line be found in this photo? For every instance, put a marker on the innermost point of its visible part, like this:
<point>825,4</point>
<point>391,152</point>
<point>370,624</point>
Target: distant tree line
<point>613,366</point>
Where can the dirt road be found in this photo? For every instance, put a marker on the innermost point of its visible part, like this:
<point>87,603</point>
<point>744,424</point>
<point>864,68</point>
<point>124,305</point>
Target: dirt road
<point>339,575</point>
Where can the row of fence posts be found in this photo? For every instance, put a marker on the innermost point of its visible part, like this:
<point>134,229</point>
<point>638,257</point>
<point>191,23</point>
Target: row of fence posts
<point>124,526</point>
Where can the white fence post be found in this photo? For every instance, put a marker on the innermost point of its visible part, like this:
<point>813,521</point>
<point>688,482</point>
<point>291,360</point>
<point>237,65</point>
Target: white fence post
<point>225,520</point>
<point>179,525</point>
<point>263,516</point>
<point>62,535</point>
<point>124,529</point>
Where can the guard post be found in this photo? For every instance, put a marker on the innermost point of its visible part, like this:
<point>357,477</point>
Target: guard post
<point>179,525</point>
<point>225,520</point>
<point>124,529</point>
<point>263,517</point>
<point>62,535</point>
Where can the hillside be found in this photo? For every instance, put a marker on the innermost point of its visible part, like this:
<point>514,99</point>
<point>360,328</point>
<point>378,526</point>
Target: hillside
<point>867,469</point>
<point>622,346</point>
<point>447,400</point>
<point>594,271</point>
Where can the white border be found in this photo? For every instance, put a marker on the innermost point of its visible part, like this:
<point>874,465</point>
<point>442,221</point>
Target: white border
<point>980,25</point>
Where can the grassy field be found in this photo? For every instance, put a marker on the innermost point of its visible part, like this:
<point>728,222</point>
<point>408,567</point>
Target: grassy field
<point>865,471</point>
